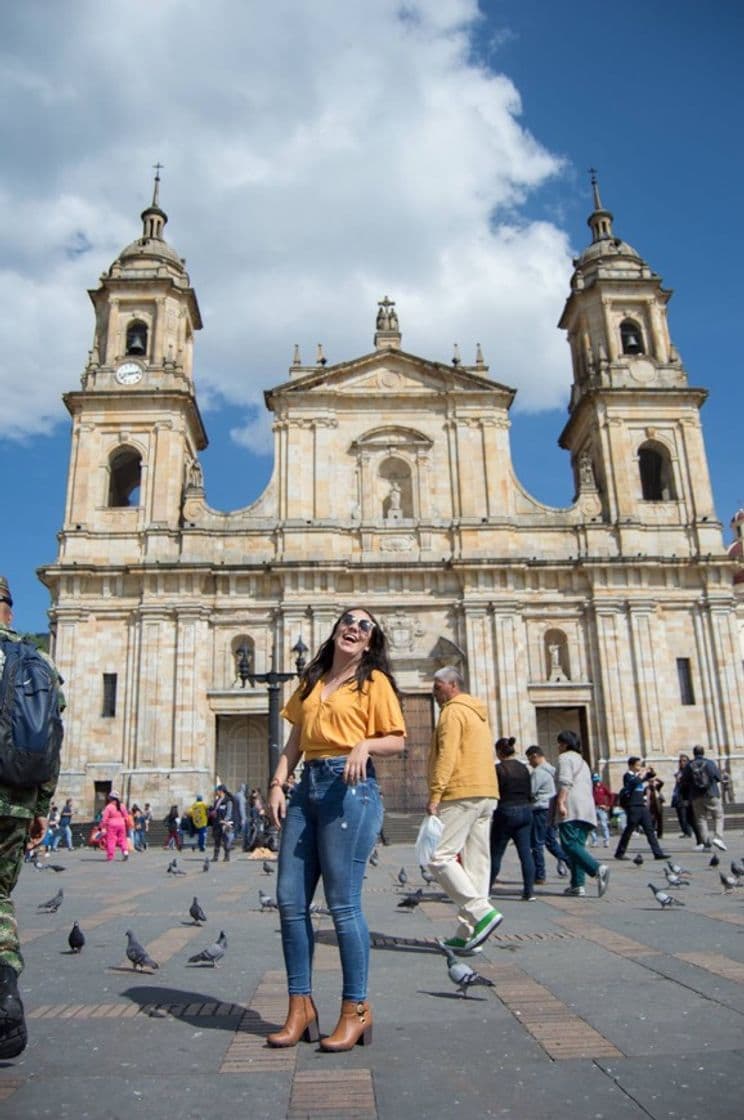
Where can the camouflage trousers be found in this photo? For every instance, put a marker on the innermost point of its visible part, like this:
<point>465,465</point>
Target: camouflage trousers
<point>13,835</point>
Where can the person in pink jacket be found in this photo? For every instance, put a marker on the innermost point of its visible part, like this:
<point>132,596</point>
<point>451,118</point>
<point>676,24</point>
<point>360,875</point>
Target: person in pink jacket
<point>114,822</point>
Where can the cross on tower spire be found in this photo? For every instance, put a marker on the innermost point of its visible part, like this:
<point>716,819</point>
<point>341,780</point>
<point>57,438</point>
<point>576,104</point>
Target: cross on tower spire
<point>157,167</point>
<point>600,220</point>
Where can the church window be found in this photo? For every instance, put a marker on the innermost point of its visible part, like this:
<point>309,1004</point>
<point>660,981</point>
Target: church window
<point>631,337</point>
<point>125,476</point>
<point>684,675</point>
<point>108,710</point>
<point>657,478</point>
<point>137,338</point>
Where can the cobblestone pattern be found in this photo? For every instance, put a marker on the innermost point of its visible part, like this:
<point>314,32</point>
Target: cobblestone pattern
<point>561,1033</point>
<point>248,1051</point>
<point>318,1094</point>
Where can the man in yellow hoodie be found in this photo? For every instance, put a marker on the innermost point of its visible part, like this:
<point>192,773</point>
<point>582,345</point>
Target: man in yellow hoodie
<point>463,791</point>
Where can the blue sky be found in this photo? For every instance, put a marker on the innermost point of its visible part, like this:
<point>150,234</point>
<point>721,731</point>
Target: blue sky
<point>437,151</point>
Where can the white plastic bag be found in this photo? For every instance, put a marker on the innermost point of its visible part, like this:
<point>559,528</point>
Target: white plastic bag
<point>429,835</point>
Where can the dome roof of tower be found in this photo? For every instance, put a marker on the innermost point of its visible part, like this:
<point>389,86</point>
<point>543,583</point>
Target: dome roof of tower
<point>608,247</point>
<point>150,247</point>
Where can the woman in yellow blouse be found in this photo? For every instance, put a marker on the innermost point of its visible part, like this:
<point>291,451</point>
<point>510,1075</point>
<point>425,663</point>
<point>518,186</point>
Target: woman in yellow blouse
<point>345,710</point>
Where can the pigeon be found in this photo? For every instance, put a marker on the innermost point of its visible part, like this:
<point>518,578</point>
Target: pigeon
<point>714,860</point>
<point>52,905</point>
<point>463,975</point>
<point>675,880</point>
<point>76,940</point>
<point>728,881</point>
<point>52,867</point>
<point>196,912</point>
<point>677,869</point>
<point>402,877</point>
<point>267,902</point>
<point>411,901</point>
<point>213,953</point>
<point>267,868</point>
<point>638,859</point>
<point>137,953</point>
<point>427,876</point>
<point>374,859</point>
<point>317,908</point>
<point>663,898</point>
<point>205,865</point>
<point>737,869</point>
<point>174,869</point>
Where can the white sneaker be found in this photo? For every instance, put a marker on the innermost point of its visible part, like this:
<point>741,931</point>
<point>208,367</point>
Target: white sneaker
<point>700,847</point>
<point>719,844</point>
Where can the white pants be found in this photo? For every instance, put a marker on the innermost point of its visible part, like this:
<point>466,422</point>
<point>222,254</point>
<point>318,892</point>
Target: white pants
<point>467,831</point>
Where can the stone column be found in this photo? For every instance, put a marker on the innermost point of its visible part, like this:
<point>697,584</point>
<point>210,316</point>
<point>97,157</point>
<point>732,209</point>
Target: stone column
<point>620,730</point>
<point>67,658</point>
<point>726,676</point>
<point>192,656</point>
<point>647,676</point>
<point>156,700</point>
<point>367,489</point>
<point>511,671</point>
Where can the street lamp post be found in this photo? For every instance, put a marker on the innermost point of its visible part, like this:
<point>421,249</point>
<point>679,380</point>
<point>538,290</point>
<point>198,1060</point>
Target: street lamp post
<point>273,681</point>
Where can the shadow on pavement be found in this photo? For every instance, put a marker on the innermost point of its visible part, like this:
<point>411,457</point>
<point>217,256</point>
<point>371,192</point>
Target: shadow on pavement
<point>175,1002</point>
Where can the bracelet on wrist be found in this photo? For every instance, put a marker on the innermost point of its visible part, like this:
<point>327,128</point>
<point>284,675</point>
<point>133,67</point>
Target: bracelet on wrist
<point>275,782</point>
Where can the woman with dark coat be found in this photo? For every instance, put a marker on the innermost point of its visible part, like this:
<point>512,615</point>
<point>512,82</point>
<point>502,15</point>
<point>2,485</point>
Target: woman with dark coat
<point>173,839</point>
<point>513,817</point>
<point>222,816</point>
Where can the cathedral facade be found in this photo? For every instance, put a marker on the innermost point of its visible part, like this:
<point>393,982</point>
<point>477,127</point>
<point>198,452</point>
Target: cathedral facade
<point>392,488</point>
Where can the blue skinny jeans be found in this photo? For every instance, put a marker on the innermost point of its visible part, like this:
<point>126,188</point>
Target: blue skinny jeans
<point>330,830</point>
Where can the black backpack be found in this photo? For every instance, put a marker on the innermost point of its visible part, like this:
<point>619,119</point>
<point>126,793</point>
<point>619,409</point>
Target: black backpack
<point>700,775</point>
<point>30,725</point>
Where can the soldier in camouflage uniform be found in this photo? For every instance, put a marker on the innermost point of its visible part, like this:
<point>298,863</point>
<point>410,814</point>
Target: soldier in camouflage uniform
<point>23,814</point>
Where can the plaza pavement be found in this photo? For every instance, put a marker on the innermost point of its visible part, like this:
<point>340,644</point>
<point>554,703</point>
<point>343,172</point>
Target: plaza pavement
<point>610,1009</point>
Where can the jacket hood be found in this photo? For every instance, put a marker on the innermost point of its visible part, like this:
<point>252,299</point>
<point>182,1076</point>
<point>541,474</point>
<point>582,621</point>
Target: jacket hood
<point>472,702</point>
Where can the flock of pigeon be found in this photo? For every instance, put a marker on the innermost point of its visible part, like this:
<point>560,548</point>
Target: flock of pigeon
<point>460,973</point>
<point>135,951</point>
<point>678,877</point>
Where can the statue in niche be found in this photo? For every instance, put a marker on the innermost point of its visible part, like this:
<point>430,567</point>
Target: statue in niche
<point>392,510</point>
<point>194,476</point>
<point>555,673</point>
<point>586,471</point>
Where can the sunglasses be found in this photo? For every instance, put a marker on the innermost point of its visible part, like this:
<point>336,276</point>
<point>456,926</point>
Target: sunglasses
<point>364,624</point>
<point>5,599</point>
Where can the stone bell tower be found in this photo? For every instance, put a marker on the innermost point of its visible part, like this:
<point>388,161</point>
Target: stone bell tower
<point>136,424</point>
<point>634,419</point>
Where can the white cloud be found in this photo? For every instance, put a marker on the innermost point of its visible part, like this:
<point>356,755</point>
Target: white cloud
<point>316,157</point>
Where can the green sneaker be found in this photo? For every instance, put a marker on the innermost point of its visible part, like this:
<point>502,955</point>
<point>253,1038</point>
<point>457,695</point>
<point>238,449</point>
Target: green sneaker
<point>484,929</point>
<point>454,943</point>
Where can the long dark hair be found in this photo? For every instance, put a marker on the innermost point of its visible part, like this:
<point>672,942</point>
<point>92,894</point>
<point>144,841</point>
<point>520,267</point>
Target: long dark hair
<point>374,657</point>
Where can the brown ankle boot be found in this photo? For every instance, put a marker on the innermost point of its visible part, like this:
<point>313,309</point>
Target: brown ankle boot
<point>302,1022</point>
<point>354,1027</point>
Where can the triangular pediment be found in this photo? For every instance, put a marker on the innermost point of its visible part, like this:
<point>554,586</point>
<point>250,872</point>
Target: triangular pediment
<point>390,373</point>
